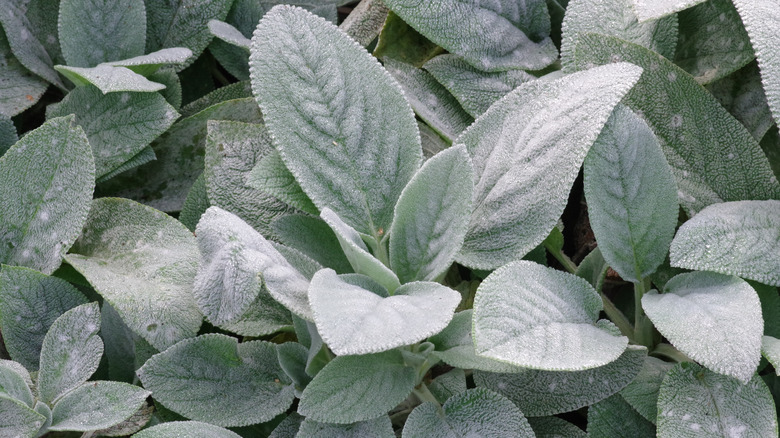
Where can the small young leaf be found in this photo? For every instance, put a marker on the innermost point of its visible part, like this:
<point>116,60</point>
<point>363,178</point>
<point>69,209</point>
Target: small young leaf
<point>30,302</point>
<point>353,320</point>
<point>536,317</point>
<point>292,358</point>
<point>270,175</point>
<point>92,32</point>
<point>715,319</point>
<point>527,150</point>
<point>431,217</point>
<point>143,262</point>
<point>118,125</point>
<point>448,384</point>
<point>399,41</point>
<point>614,417</point>
<point>695,399</point>
<point>494,36</point>
<point>18,420</point>
<point>229,34</point>
<point>770,348</point>
<point>632,196</point>
<point>736,238</point>
<point>653,9</point>
<point>172,91</point>
<point>365,386</point>
<point>191,429</point>
<point>380,427</point>
<point>145,65</point>
<point>70,352</point>
<point>48,178</point>
<point>313,237</point>
<point>324,131</point>
<point>14,384</point>
<point>221,233</point>
<point>19,89</point>
<point>97,405</point>
<point>109,79</point>
<point>642,392</point>
<point>476,412</point>
<point>539,393</point>
<point>213,378</point>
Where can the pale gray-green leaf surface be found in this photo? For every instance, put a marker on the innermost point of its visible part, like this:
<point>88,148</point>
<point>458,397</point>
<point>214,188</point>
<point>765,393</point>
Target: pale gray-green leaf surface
<point>694,402</point>
<point>70,352</point>
<point>532,316</point>
<point>326,132</point>
<point>380,427</point>
<point>770,349</point>
<point>143,262</point>
<point>109,78</point>
<point>313,237</point>
<point>48,178</point>
<point>357,388</point>
<point>30,302</point>
<point>652,9</point>
<point>737,238</point>
<point>430,220</point>
<point>92,32</point>
<point>8,135</point>
<point>539,393</point>
<point>615,418</point>
<point>147,64</point>
<point>353,320</point>
<point>17,419</point>
<point>527,150</point>
<point>742,94</point>
<point>14,382</point>
<point>492,36</point>
<point>229,34</point>
<point>642,392</point>
<point>118,125</point>
<point>632,196</point>
<point>97,405</point>
<point>713,318</point>
<point>270,175</point>
<point>713,157</point>
<point>190,429</point>
<point>215,379</point>
<point>476,412</point>
<point>19,88</point>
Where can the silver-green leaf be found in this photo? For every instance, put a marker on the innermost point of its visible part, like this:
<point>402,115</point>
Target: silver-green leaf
<point>191,429</point>
<point>97,405</point>
<point>109,79</point>
<point>17,419</point>
<point>614,418</point>
<point>654,9</point>
<point>15,382</point>
<point>270,175</point>
<point>379,427</point>
<point>19,88</point>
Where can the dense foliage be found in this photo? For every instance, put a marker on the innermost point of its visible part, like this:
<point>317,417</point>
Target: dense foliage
<point>224,218</point>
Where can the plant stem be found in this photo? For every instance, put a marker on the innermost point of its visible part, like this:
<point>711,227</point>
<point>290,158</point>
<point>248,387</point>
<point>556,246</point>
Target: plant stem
<point>643,328</point>
<point>617,317</point>
<point>562,258</point>
<point>424,394</point>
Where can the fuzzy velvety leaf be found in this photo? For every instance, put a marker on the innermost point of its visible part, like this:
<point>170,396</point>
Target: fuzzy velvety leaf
<point>147,64</point>
<point>713,41</point>
<point>495,36</point>
<point>539,393</point>
<point>532,316</point>
<point>118,125</point>
<point>14,382</point>
<point>632,196</point>
<point>653,9</point>
<point>713,318</point>
<point>399,41</point>
<point>70,352</point>
<point>232,151</point>
<point>92,32</point>
<point>736,238</point>
<point>19,88</point>
<point>642,392</point>
<point>326,131</point>
<point>380,427</point>
<point>761,18</point>
<point>742,94</point>
<point>143,262</point>
<point>475,89</point>
<point>8,135</point>
<point>224,289</point>
<point>196,203</point>
<point>354,320</point>
<point>365,387</point>
<point>615,418</point>
<point>271,176</point>
<point>192,429</point>
<point>313,237</point>
<point>448,384</point>
<point>48,179</point>
<point>30,302</point>
<point>713,157</point>
<point>431,217</point>
<point>554,427</point>
<point>527,150</point>
<point>109,79</point>
<point>618,19</point>
<point>229,34</point>
<point>97,405</point>
<point>695,402</point>
<point>17,419</point>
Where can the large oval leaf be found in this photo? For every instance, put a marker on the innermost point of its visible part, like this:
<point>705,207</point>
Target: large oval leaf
<point>527,150</point>
<point>715,319</point>
<point>47,178</point>
<point>328,133</point>
<point>632,196</point>
<point>143,262</point>
<point>736,238</point>
<point>97,405</point>
<point>215,379</point>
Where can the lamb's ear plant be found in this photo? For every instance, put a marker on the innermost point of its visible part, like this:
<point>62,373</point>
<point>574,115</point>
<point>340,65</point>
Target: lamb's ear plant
<point>376,230</point>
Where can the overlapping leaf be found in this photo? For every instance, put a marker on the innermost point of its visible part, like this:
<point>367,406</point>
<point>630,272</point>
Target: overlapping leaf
<point>193,429</point>
<point>19,88</point>
<point>97,405</point>
<point>653,9</point>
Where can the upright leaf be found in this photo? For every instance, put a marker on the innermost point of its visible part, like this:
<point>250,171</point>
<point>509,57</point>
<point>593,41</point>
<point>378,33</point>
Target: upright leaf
<point>215,379</point>
<point>431,217</point>
<point>19,88</point>
<point>30,302</point>
<point>97,405</point>
<point>536,317</point>
<point>653,9</point>
<point>313,237</point>
<point>48,179</point>
<point>271,176</point>
<point>632,196</point>
<point>715,319</point>
<point>365,386</point>
<point>713,157</point>
<point>736,238</point>
<point>493,36</point>
<point>70,352</point>
<point>527,150</point>
<point>702,403</point>
<point>143,262</point>
<point>92,32</point>
<point>352,149</point>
